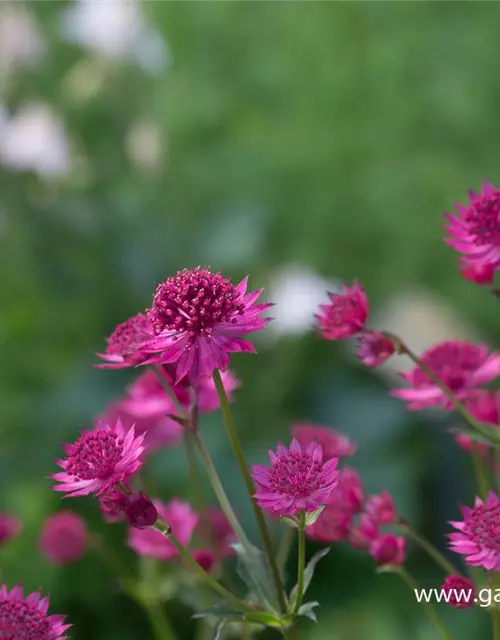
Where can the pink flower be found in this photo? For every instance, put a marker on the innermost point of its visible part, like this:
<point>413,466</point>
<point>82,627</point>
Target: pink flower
<point>208,400</point>
<point>346,314</point>
<point>380,508</point>
<point>388,549</point>
<point>484,406</point>
<point>64,538</point>
<point>99,460</point>
<point>199,318</point>
<point>459,591</point>
<point>333,443</point>
<point>206,559</point>
<point>112,505</point>
<point>221,534</point>
<point>125,343</point>
<point>481,274</point>
<point>9,528</point>
<point>148,542</point>
<point>462,366</point>
<point>475,232</point>
<point>374,348</point>
<point>140,511</point>
<point>296,480</point>
<point>365,533</point>
<point>479,534</point>
<point>26,618</point>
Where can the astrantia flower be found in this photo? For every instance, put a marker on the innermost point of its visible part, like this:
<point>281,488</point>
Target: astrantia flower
<point>460,592</point>
<point>462,366</point>
<point>333,443</point>
<point>346,314</point>
<point>124,344</point>
<point>388,549</point>
<point>374,348</point>
<point>26,618</point>
<point>199,317</point>
<point>64,538</point>
<point>99,460</point>
<point>9,528</point>
<point>381,508</point>
<point>485,406</point>
<point>479,534</point>
<point>475,232</point>
<point>140,511</point>
<point>481,274</point>
<point>298,479</point>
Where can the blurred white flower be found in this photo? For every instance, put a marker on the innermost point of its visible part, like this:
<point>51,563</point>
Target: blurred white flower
<point>33,139</point>
<point>21,43</point>
<point>144,145</point>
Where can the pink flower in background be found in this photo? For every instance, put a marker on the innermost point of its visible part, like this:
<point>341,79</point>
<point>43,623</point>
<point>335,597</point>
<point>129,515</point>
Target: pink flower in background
<point>10,527</point>
<point>485,407</point>
<point>199,317</point>
<point>181,518</point>
<point>364,533</point>
<point>221,534</point>
<point>465,589</point>
<point>482,275</point>
<point>206,559</point>
<point>374,348</point>
<point>140,511</point>
<point>26,618</point>
<point>479,534</point>
<point>124,344</point>
<point>99,460</point>
<point>333,443</point>
<point>346,314</point>
<point>388,549</point>
<point>475,231</point>
<point>147,398</point>
<point>112,505</point>
<point>208,400</point>
<point>298,479</point>
<point>64,538</point>
<point>381,508</point>
<point>462,366</point>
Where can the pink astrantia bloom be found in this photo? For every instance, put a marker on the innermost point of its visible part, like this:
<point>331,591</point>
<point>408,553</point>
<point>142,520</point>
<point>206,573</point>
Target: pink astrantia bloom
<point>112,505</point>
<point>206,558</point>
<point>388,549</point>
<point>366,531</point>
<point>485,406</point>
<point>140,511</point>
<point>99,460</point>
<point>199,317</point>
<point>10,526</point>
<point>460,592</point>
<point>374,348</point>
<point>475,231</point>
<point>381,508</point>
<point>124,344</point>
<point>149,542</point>
<point>346,314</point>
<point>26,618</point>
<point>298,479</point>
<point>333,443</point>
<point>481,274</point>
<point>462,366</point>
<point>479,534</point>
<point>64,538</point>
<point>221,534</point>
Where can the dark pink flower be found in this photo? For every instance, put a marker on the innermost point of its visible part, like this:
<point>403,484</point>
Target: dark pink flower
<point>298,479</point>
<point>460,592</point>
<point>25,618</point>
<point>149,542</point>
<point>99,460</point>
<point>479,534</point>
<point>124,344</point>
<point>388,549</point>
<point>364,533</point>
<point>481,274</point>
<point>333,443</point>
<point>64,538</point>
<point>10,526</point>
<point>380,508</point>
<point>112,505</point>
<point>199,318</point>
<point>206,559</point>
<point>475,231</point>
<point>221,534</point>
<point>462,366</point>
<point>140,512</point>
<point>346,314</point>
<point>374,348</point>
<point>484,406</point>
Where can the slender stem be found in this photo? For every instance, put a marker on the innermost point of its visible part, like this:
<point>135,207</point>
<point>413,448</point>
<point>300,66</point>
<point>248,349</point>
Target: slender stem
<point>159,621</point>
<point>301,560</point>
<point>284,549</point>
<point>182,412</point>
<point>247,478</point>
<point>479,471</point>
<point>429,548</point>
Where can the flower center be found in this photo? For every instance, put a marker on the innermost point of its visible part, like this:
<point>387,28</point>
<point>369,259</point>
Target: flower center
<point>194,301</point>
<point>295,474</point>
<point>484,526</point>
<point>129,334</point>
<point>453,362</point>
<point>95,455</point>
<point>484,219</point>
<point>341,310</point>
<point>21,621</point>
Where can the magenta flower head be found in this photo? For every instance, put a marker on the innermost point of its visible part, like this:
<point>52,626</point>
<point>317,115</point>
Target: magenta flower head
<point>388,549</point>
<point>99,460</point>
<point>199,317</point>
<point>481,274</point>
<point>64,538</point>
<point>140,511</point>
<point>475,232</point>
<point>462,366</point>
<point>112,505</point>
<point>333,443</point>
<point>485,406</point>
<point>381,509</point>
<point>374,348</point>
<point>479,534</point>
<point>346,314</point>
<point>460,592</point>
<point>25,618</point>
<point>124,344</point>
<point>10,526</point>
<point>298,479</point>
<point>149,542</point>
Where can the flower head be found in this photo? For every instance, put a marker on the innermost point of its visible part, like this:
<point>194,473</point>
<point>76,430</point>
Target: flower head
<point>374,348</point>
<point>64,538</point>
<point>99,460</point>
<point>140,511</point>
<point>25,618</point>
<point>459,592</point>
<point>485,406</point>
<point>475,231</point>
<point>199,317</point>
<point>112,505</point>
<point>388,549</point>
<point>125,343</point>
<point>9,528</point>
<point>333,443</point>
<point>462,366</point>
<point>479,534</point>
<point>481,274</point>
<point>298,479</point>
<point>346,314</point>
<point>380,508</point>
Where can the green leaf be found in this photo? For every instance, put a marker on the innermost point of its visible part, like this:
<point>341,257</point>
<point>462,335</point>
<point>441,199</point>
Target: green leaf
<point>488,435</point>
<point>291,522</point>
<point>307,610</point>
<point>264,618</point>
<point>218,629</point>
<point>308,574</point>
<point>253,569</point>
<point>219,611</point>
<point>312,516</point>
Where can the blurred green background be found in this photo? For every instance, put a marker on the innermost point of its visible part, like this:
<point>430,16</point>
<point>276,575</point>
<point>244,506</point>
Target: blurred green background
<point>291,141</point>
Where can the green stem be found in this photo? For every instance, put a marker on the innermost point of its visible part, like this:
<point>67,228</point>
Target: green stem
<point>159,621</point>
<point>301,563</point>
<point>290,633</point>
<point>284,549</point>
<point>479,471</point>
<point>180,409</point>
<point>247,478</point>
<point>429,548</point>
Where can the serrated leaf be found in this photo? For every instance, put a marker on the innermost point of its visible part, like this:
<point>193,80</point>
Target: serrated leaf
<point>307,610</point>
<point>289,521</point>
<point>253,569</point>
<point>218,629</point>
<point>308,574</point>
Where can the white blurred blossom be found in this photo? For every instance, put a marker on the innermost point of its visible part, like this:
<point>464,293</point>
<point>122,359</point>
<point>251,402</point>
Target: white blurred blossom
<point>144,145</point>
<point>21,43</point>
